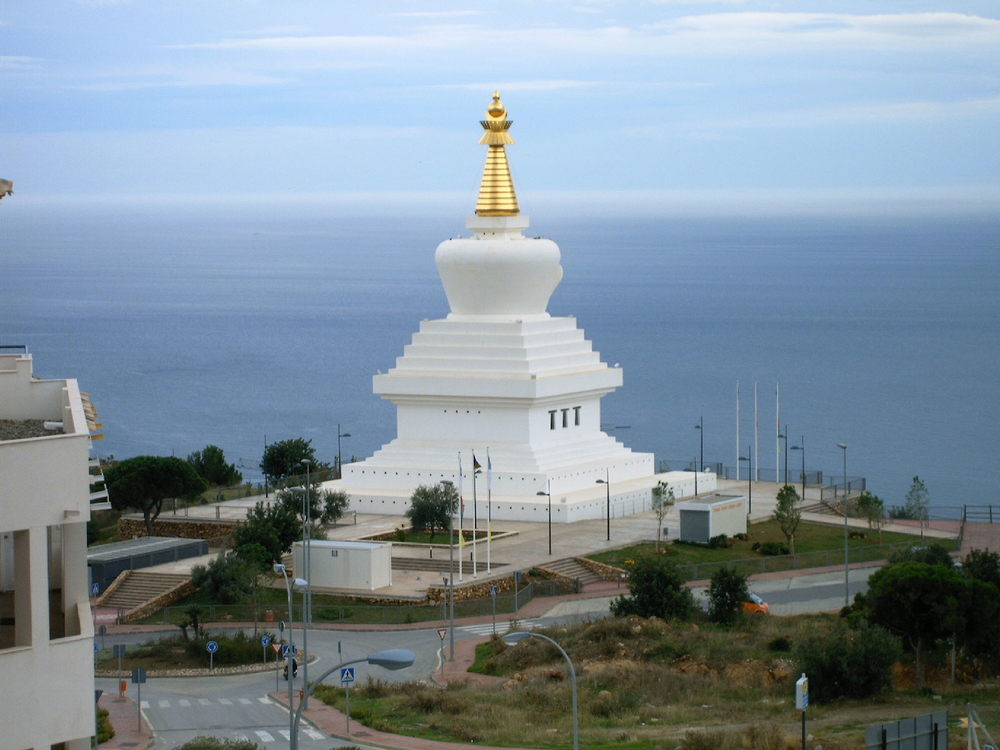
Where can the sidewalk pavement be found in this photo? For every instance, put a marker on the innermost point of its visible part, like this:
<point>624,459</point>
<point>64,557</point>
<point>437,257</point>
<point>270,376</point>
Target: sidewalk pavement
<point>129,734</point>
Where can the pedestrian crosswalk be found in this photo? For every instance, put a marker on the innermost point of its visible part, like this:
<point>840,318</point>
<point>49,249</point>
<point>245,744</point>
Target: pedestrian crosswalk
<point>261,736</point>
<point>196,702</point>
<point>486,628</point>
<point>265,736</point>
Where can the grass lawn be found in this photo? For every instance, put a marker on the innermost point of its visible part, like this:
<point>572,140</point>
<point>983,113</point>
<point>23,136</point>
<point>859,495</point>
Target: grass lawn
<point>815,545</point>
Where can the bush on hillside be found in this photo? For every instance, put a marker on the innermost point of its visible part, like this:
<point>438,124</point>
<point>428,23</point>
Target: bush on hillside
<point>656,589</point>
<point>848,663</point>
<point>726,594</point>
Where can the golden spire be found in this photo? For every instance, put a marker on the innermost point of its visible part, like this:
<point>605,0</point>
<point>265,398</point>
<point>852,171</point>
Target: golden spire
<point>496,191</point>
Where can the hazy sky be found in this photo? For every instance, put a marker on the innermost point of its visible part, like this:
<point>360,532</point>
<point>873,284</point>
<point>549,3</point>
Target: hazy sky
<point>662,102</point>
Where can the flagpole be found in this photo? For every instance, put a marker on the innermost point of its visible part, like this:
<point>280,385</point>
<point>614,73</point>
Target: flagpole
<point>777,430</point>
<point>461,518</point>
<point>489,511</point>
<point>475,518</point>
<point>756,435</point>
<point>737,430</point>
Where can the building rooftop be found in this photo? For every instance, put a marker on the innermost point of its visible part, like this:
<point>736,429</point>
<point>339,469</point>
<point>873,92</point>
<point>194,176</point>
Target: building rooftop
<point>22,429</point>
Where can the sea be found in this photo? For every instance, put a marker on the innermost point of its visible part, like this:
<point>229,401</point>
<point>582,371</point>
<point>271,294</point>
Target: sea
<point>238,323</point>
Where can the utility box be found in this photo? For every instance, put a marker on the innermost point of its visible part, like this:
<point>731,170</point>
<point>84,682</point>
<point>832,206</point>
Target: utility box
<point>711,515</point>
<point>365,566</point>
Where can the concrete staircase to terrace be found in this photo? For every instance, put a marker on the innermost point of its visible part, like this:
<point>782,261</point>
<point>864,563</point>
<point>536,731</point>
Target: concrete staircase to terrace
<point>570,568</point>
<point>135,588</point>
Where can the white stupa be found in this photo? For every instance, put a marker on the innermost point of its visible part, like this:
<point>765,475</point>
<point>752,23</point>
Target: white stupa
<point>501,380</point>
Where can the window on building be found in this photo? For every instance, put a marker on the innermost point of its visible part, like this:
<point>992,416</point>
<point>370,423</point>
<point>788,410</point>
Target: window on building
<point>552,419</point>
<point>565,416</point>
<point>576,416</point>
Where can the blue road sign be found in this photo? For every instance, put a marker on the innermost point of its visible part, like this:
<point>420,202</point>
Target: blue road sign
<point>96,648</point>
<point>265,640</point>
<point>347,675</point>
<point>493,590</point>
<point>285,649</point>
<point>212,647</point>
<point>95,589</point>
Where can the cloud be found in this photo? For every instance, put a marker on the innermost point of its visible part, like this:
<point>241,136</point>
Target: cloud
<point>751,30</point>
<point>539,85</point>
<point>435,13</point>
<point>128,80</point>
<point>727,33</point>
<point>895,112</point>
<point>19,63</point>
<point>728,129</point>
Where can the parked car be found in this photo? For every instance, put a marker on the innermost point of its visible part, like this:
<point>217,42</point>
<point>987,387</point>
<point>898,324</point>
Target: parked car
<point>755,606</point>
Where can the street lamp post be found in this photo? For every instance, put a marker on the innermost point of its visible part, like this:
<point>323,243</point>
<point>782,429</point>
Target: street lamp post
<point>607,486</point>
<point>802,447</point>
<point>784,436</point>
<point>340,460</point>
<point>512,639</point>
<point>843,447</point>
<point>306,568</point>
<point>749,459</point>
<point>548,493</point>
<point>451,576</point>
<point>393,658</point>
<point>290,656</point>
<point>701,451</point>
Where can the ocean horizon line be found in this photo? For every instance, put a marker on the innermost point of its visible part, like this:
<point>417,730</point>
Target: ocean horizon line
<point>791,203</point>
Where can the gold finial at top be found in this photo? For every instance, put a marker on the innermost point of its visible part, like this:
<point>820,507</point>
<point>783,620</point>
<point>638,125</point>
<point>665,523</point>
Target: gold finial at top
<point>496,191</point>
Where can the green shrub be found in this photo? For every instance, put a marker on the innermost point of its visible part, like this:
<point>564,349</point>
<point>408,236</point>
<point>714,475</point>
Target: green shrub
<point>781,643</point>
<point>773,548</point>
<point>104,729</point>
<point>848,663</point>
<point>218,743</point>
<point>931,554</point>
<point>656,589</point>
<point>726,594</point>
<point>720,542</point>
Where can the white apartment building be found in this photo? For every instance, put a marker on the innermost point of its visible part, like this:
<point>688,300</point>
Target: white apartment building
<point>46,627</point>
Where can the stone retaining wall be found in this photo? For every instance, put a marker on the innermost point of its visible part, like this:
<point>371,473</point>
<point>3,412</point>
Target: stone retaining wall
<point>159,602</point>
<point>475,590</point>
<point>201,528</point>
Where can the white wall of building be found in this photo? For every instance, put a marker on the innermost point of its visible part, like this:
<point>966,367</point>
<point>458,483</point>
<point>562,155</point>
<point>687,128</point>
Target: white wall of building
<point>365,566</point>
<point>47,694</point>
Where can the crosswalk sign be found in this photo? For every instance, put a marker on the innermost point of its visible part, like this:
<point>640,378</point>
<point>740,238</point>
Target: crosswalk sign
<point>347,676</point>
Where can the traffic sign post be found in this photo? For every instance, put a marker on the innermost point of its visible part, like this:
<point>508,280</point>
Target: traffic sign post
<point>138,677</point>
<point>493,596</point>
<point>118,651</point>
<point>347,679</point>
<point>211,647</point>
<point>802,702</point>
<point>264,640</point>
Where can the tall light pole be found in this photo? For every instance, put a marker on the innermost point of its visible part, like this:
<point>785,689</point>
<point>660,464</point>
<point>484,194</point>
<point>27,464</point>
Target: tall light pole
<point>307,569</point>
<point>784,436</point>
<point>451,575</point>
<point>701,451</point>
<point>393,658</point>
<point>607,486</point>
<point>548,493</point>
<point>802,447</point>
<point>340,460</point>
<point>843,447</point>
<point>749,459</point>
<point>512,639</point>
<point>299,584</point>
